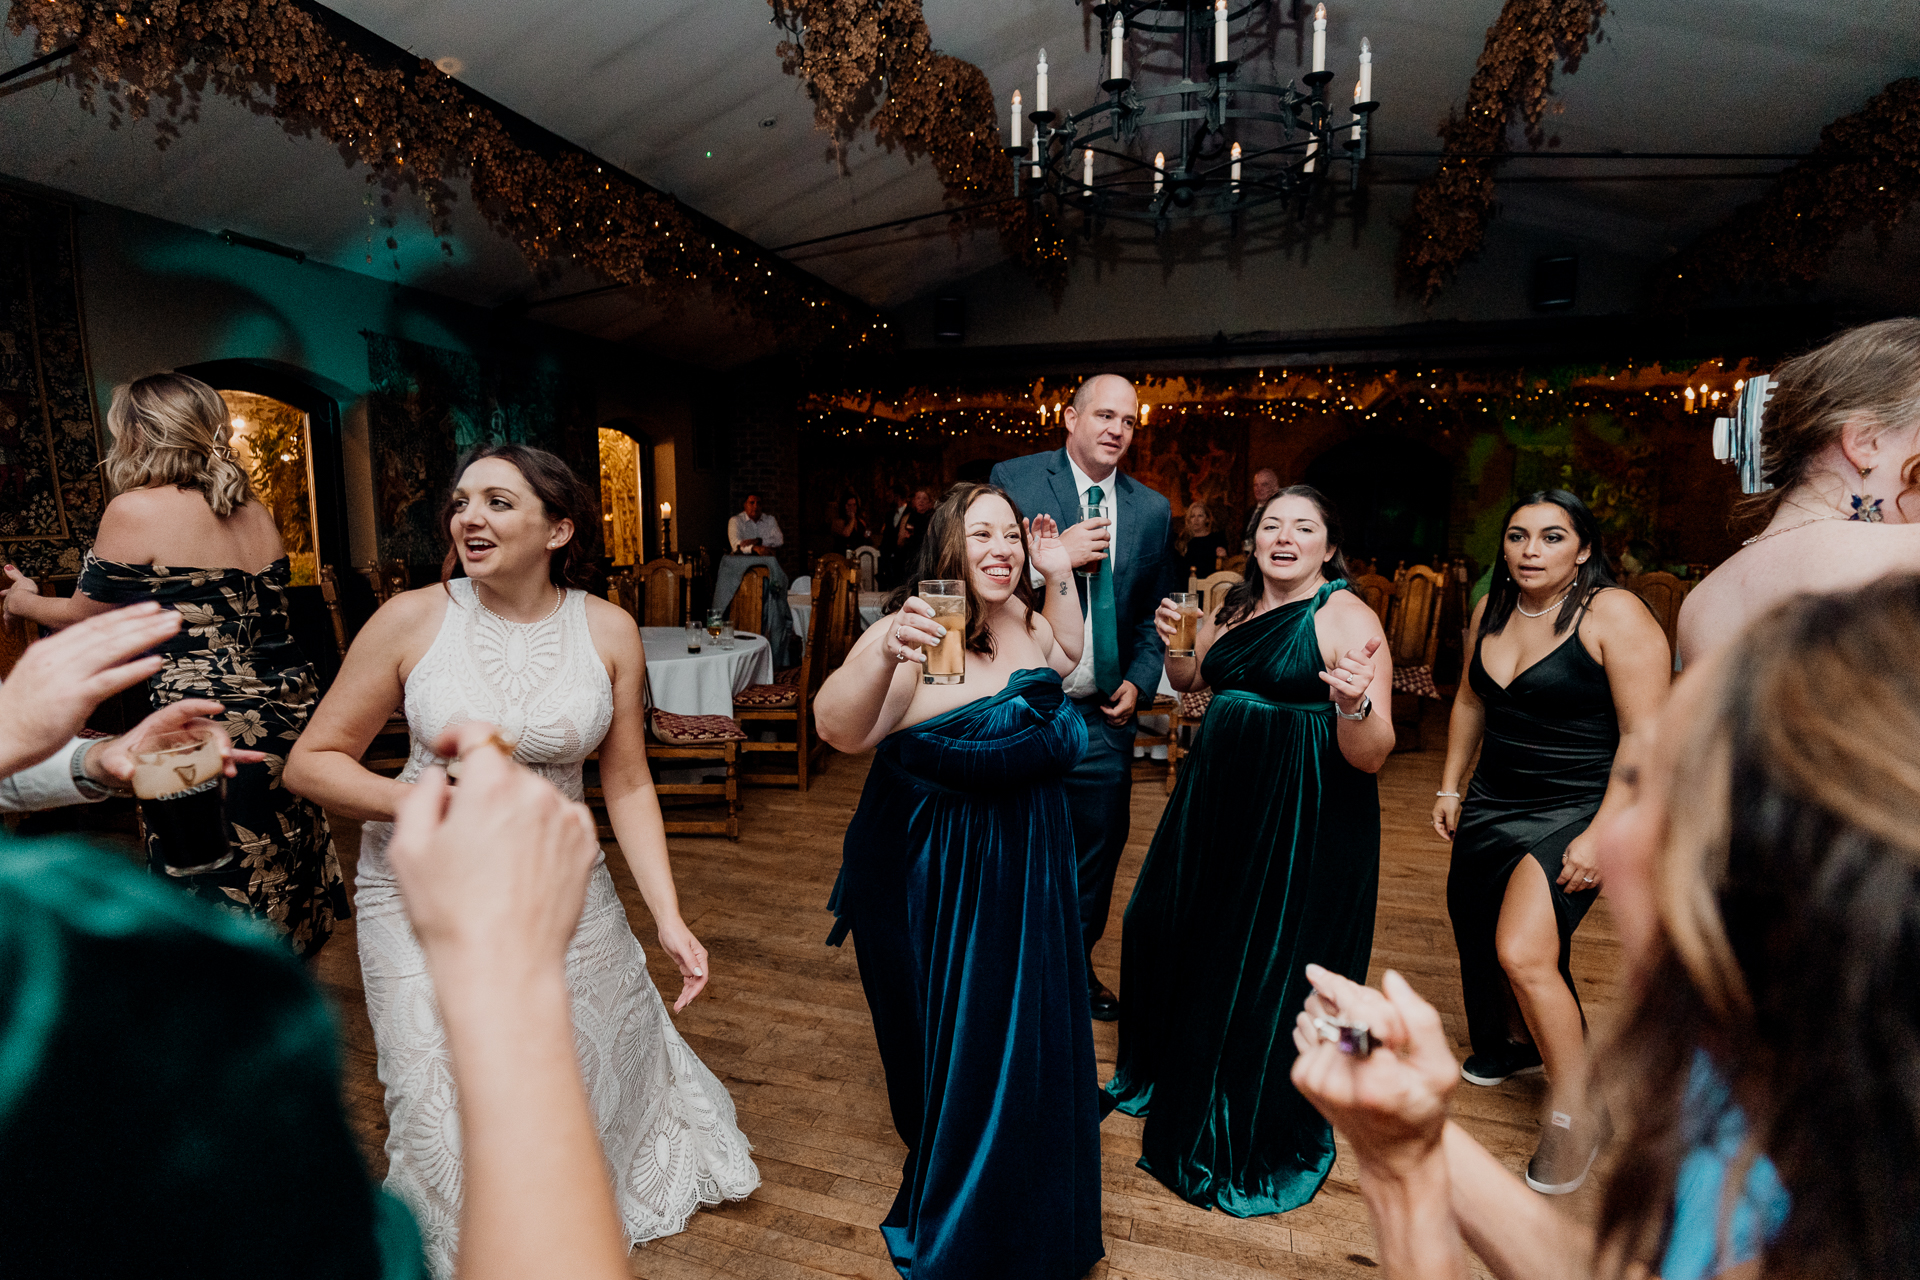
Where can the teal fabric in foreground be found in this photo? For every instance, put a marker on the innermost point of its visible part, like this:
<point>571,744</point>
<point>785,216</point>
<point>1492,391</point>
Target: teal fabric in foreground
<point>958,885</point>
<point>1267,859</point>
<point>169,1091</point>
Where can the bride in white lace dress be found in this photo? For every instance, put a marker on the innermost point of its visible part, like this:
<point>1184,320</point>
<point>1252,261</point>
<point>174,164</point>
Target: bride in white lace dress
<point>560,672</point>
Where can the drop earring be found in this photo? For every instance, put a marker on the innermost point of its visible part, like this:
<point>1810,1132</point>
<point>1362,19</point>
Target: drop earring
<point>1865,508</point>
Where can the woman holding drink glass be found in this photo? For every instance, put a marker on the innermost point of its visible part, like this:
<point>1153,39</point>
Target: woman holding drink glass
<point>1267,858</point>
<point>958,887</point>
<point>183,500</point>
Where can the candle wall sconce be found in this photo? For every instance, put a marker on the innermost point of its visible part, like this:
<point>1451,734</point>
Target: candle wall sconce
<point>1199,141</point>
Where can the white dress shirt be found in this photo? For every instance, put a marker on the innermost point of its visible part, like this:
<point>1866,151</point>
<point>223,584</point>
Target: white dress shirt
<point>744,527</point>
<point>1079,682</point>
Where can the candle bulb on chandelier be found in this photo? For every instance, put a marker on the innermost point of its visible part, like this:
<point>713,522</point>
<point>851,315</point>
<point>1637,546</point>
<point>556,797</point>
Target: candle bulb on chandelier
<point>1357,100</point>
<point>1366,70</point>
<point>1115,66</point>
<point>1313,145</point>
<point>1159,170</point>
<point>1035,171</point>
<point>1219,30</point>
<point>1320,37</point>
<point>1236,168</point>
<point>1014,139</point>
<point>1040,89</point>
<point>1086,169</point>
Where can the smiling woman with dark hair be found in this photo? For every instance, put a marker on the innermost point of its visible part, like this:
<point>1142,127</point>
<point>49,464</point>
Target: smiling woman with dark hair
<point>1563,668</point>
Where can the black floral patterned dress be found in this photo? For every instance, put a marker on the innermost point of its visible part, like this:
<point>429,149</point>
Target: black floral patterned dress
<point>236,648</point>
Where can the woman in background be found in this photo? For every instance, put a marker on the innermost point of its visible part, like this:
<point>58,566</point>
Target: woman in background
<point>1268,856</point>
<point>850,525</point>
<point>515,642</point>
<point>1197,546</point>
<point>186,530</point>
<point>958,887</point>
<point>1563,668</point>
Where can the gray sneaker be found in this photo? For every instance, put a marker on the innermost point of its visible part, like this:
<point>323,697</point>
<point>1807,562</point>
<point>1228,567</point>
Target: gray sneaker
<point>1566,1152</point>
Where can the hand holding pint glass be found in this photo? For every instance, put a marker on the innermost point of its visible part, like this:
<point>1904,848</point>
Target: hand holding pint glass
<point>1187,629</point>
<point>947,660</point>
<point>180,780</point>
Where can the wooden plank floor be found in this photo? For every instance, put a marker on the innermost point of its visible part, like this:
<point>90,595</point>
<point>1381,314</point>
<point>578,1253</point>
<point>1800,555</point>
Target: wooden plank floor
<point>784,1024</point>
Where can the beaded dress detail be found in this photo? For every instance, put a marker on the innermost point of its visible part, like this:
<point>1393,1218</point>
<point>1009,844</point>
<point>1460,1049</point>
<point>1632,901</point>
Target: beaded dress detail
<point>666,1122</point>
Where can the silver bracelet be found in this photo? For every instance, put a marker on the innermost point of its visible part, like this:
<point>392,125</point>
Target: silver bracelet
<point>88,787</point>
<point>1454,794</point>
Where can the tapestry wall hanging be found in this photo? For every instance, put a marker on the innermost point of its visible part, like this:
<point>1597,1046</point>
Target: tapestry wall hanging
<point>50,484</point>
<point>430,405</point>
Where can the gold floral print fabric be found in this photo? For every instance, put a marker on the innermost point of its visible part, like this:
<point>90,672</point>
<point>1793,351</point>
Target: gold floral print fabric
<point>236,648</point>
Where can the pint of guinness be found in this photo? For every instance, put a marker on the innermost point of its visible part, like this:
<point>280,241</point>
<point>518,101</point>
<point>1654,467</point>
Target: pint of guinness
<point>181,783</point>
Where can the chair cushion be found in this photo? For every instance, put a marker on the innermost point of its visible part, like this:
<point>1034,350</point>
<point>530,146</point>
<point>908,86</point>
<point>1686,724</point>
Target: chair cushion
<point>1194,705</point>
<point>693,731</point>
<point>767,697</point>
<point>1415,680</point>
<point>786,675</point>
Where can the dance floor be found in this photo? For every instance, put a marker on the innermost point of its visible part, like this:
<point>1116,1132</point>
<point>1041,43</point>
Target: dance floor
<point>785,1027</point>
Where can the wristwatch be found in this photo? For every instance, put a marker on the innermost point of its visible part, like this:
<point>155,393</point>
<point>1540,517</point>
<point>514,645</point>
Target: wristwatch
<point>86,785</point>
<point>1366,709</point>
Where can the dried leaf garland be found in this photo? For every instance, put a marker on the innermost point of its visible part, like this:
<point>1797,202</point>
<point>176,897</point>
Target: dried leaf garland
<point>871,63</point>
<point>1451,209</point>
<point>415,125</point>
<point>1865,170</point>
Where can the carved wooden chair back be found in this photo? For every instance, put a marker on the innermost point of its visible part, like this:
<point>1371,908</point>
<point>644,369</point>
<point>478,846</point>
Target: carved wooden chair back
<point>750,601</point>
<point>1664,594</point>
<point>1213,589</point>
<point>1413,620</point>
<point>1376,591</point>
<point>660,590</point>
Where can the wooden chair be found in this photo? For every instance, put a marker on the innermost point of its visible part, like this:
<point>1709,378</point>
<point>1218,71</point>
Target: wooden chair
<point>1376,591</point>
<point>790,702</point>
<point>1413,641</point>
<point>661,588</point>
<point>866,562</point>
<point>1189,710</point>
<point>1213,589</point>
<point>1664,595</point>
<point>1167,705</point>
<point>672,738</point>
<point>1234,564</point>
<point>389,579</point>
<point>330,592</point>
<point>15,635</point>
<point>748,608</point>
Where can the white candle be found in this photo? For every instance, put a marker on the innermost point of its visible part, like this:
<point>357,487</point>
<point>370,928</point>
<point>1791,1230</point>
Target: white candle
<point>1236,167</point>
<point>1357,100</point>
<point>1219,30</point>
<point>1014,138</point>
<point>1115,67</point>
<point>1086,169</point>
<point>1366,70</point>
<point>1040,89</point>
<point>1320,37</point>
<point>1036,154</point>
<point>1159,170</point>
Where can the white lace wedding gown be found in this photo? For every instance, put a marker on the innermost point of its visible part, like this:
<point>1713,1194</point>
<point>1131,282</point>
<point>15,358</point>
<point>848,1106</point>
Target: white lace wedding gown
<point>666,1123</point>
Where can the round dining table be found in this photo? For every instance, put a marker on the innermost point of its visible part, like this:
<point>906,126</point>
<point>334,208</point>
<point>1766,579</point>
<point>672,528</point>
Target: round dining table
<point>703,683</point>
<point>872,606</point>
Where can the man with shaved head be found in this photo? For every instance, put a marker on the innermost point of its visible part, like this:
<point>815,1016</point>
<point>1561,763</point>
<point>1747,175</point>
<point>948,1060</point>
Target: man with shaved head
<point>1122,563</point>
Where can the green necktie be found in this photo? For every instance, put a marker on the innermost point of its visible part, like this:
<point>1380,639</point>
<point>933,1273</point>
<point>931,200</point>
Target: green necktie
<point>1106,634</point>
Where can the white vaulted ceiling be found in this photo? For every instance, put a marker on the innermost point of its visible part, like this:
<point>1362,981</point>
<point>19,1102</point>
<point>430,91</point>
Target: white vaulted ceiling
<point>675,92</point>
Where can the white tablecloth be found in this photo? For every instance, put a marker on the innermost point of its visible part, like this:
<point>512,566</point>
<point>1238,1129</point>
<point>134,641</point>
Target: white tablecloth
<point>872,608</point>
<point>703,684</point>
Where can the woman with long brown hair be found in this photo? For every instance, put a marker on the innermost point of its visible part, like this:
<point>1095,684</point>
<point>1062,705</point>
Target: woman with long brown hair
<point>1840,444</point>
<point>185,528</point>
<point>1764,873</point>
<point>515,642</point>
<point>958,887</point>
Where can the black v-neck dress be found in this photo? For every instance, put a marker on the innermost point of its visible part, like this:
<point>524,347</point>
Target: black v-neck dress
<point>1544,762</point>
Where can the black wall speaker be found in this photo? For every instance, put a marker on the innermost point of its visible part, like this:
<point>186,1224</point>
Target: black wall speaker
<point>1556,282</point>
<point>950,319</point>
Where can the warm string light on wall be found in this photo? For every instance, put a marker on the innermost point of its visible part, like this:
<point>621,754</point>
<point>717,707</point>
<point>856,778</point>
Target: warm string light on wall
<point>1035,411</point>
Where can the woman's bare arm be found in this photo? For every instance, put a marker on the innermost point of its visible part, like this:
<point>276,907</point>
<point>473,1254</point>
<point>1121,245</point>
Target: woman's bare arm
<point>633,807</point>
<point>1517,1233</point>
<point>324,765</point>
<point>1353,632</point>
<point>1466,725</point>
<point>864,699</point>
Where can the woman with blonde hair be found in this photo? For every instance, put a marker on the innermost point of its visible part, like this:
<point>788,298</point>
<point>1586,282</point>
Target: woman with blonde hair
<point>1196,545</point>
<point>1840,444</point>
<point>186,530</point>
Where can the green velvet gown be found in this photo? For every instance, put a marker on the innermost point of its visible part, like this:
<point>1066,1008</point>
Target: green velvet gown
<point>1267,859</point>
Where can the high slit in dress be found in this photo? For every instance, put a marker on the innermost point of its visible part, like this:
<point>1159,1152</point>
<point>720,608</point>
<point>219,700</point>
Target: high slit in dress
<point>1544,762</point>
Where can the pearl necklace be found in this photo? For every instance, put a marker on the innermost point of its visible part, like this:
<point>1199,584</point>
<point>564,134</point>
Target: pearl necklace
<point>509,622</point>
<point>1544,612</point>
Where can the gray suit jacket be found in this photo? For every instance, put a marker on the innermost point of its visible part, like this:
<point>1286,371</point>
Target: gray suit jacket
<point>1043,483</point>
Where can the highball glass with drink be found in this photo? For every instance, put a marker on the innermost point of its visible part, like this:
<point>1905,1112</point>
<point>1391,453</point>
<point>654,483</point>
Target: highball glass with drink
<point>947,661</point>
<point>713,626</point>
<point>181,784</point>
<point>726,633</point>
<point>1188,602</point>
<point>694,631</point>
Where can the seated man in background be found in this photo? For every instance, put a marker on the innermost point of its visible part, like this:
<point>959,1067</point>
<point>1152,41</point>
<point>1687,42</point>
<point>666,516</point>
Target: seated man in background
<point>752,534</point>
<point>170,1103</point>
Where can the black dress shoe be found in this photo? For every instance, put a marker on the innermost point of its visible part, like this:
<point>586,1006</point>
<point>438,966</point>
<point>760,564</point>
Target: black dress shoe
<point>1102,1003</point>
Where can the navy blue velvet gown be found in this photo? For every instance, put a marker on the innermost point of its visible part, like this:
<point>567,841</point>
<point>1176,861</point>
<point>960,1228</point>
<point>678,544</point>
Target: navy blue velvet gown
<point>958,885</point>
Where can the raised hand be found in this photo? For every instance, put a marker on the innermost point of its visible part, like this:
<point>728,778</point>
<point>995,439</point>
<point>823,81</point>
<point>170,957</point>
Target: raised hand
<point>1087,542</point>
<point>115,757</point>
<point>18,588</point>
<point>1352,676</point>
<point>60,680</point>
<point>914,632</point>
<point>1050,555</point>
<point>1166,620</point>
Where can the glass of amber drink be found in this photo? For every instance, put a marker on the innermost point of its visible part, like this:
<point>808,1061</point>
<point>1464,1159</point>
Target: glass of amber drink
<point>1188,602</point>
<point>947,661</point>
